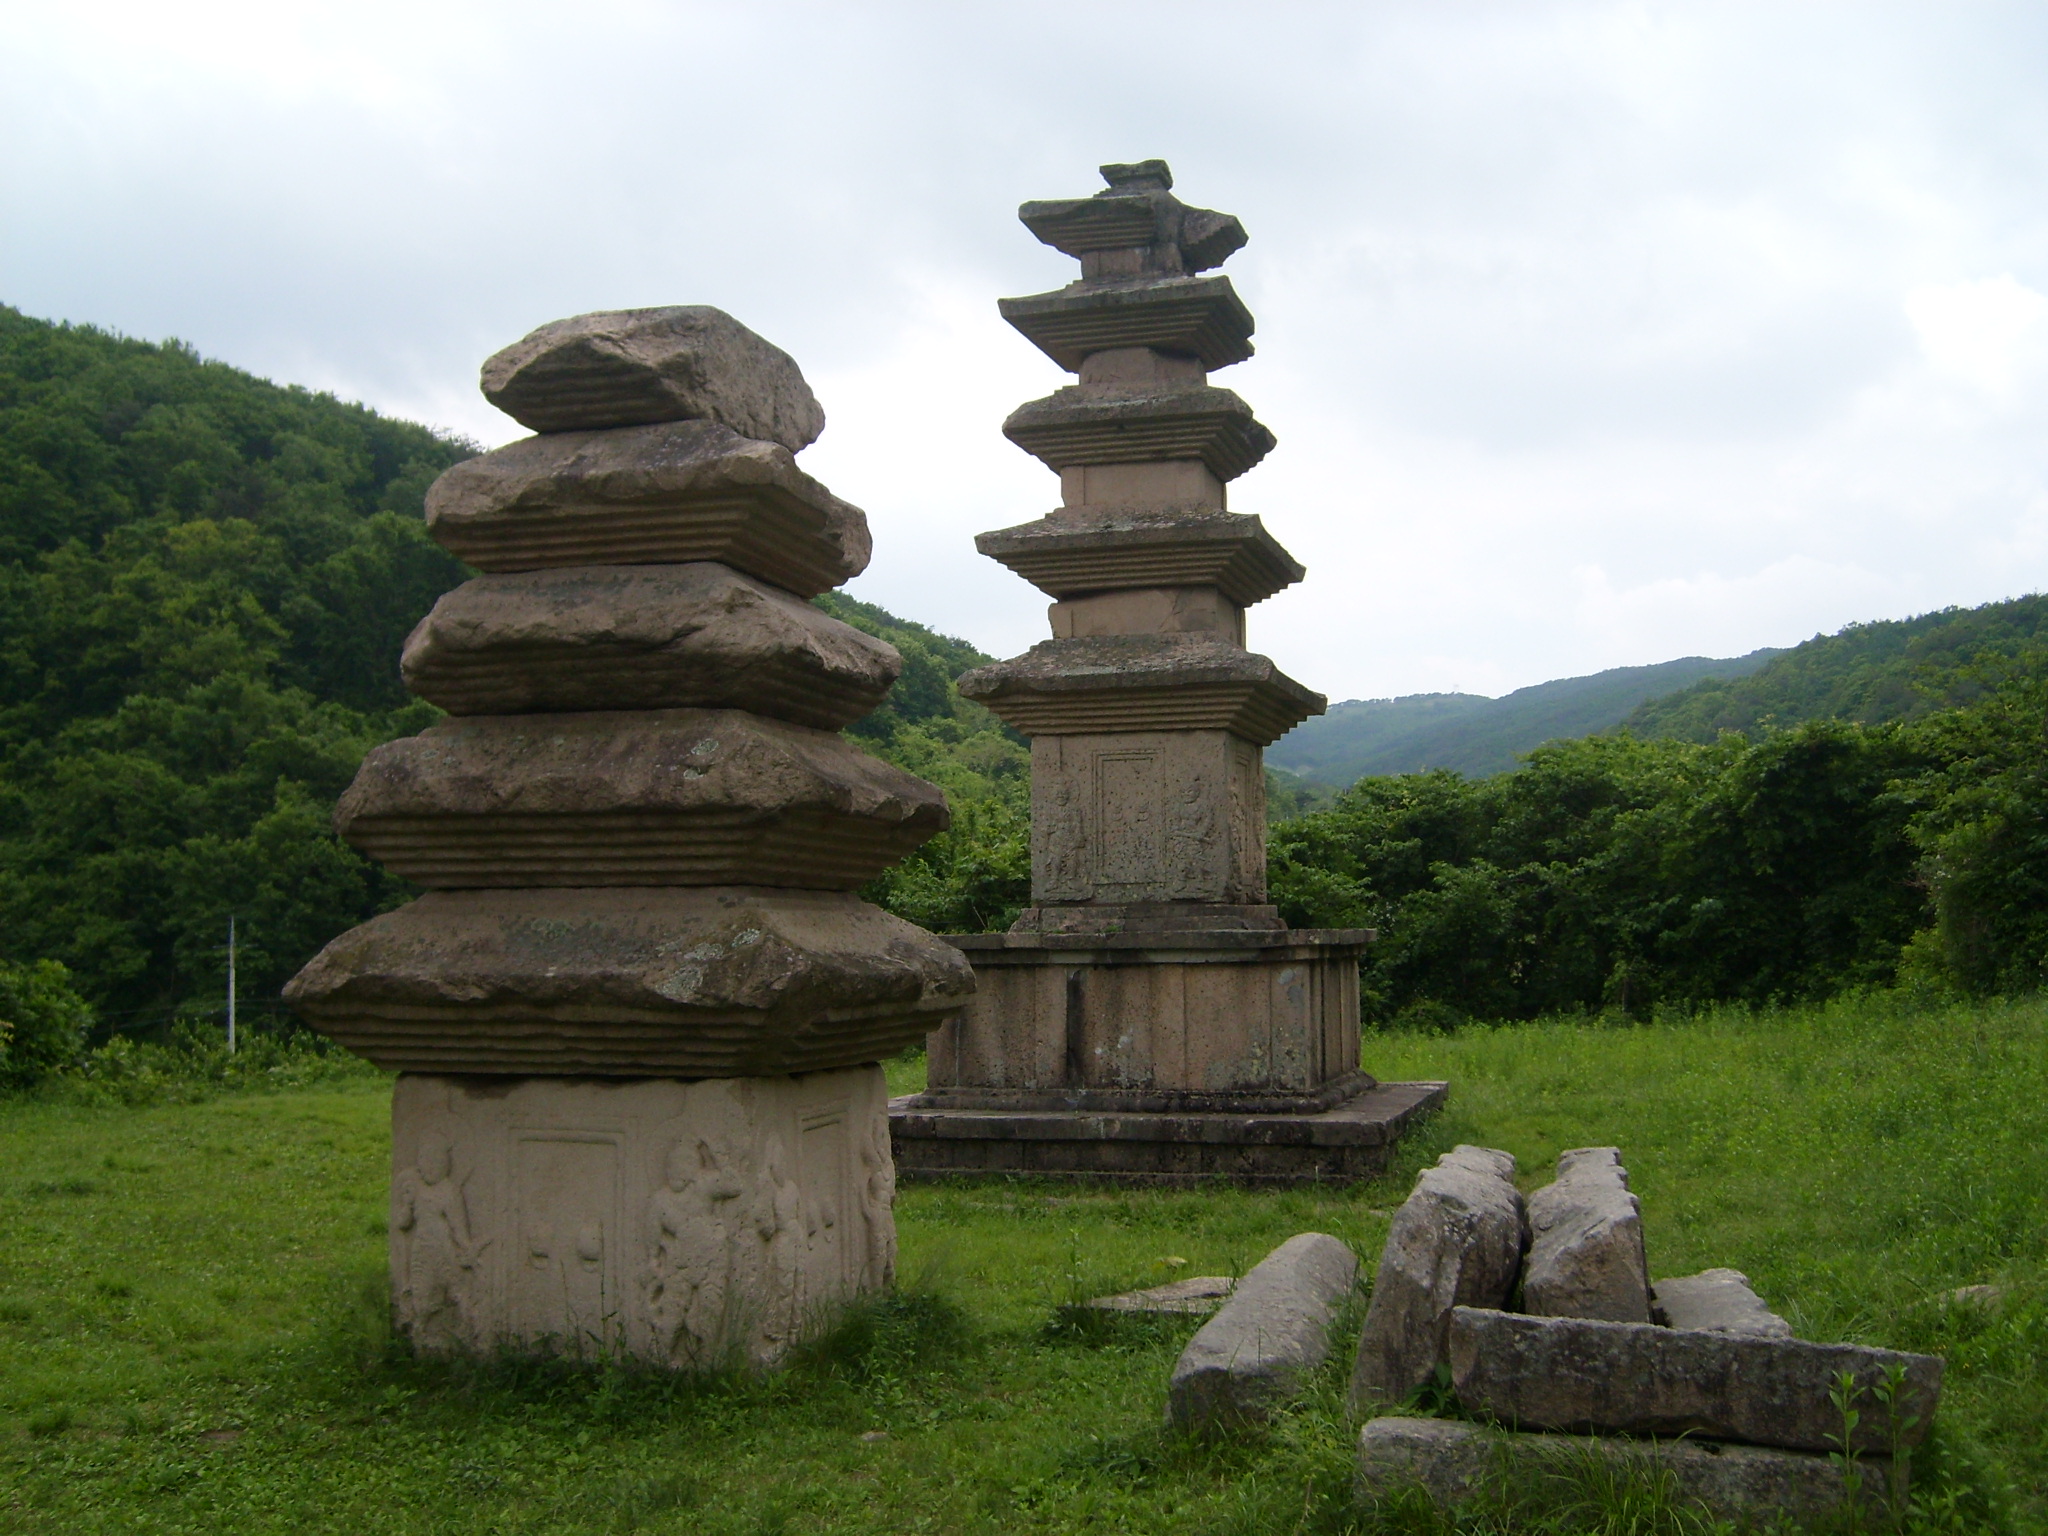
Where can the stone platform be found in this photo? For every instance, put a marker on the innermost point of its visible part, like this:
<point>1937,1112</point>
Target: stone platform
<point>1350,1142</point>
<point>1156,1054</point>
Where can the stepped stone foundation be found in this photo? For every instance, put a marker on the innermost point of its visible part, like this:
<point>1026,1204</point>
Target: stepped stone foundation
<point>1149,1017</point>
<point>638,1010</point>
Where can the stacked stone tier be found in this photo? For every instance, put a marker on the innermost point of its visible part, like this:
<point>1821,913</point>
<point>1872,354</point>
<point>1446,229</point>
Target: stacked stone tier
<point>1198,317</point>
<point>704,982</point>
<point>1129,683</point>
<point>655,797</point>
<point>1079,425</point>
<point>1070,554</point>
<point>631,637</point>
<point>666,494</point>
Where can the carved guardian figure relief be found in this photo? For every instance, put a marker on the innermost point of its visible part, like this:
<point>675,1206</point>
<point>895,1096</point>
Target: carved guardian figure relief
<point>438,1253</point>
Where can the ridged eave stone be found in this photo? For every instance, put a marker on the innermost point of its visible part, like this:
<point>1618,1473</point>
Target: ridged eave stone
<point>632,637</point>
<point>665,494</point>
<point>653,797</point>
<point>1077,426</point>
<point>706,982</point>
<point>1199,317</point>
<point>1069,555</point>
<point>1142,683</point>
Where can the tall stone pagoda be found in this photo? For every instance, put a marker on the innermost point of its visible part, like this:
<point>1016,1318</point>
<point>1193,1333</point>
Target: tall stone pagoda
<point>636,1014</point>
<point>1149,1016</point>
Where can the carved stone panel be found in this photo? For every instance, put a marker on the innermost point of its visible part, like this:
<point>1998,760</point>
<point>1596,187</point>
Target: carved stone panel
<point>1148,816</point>
<point>689,1225</point>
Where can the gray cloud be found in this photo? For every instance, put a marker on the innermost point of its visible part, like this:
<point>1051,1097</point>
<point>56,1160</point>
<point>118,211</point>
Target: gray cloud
<point>1593,334</point>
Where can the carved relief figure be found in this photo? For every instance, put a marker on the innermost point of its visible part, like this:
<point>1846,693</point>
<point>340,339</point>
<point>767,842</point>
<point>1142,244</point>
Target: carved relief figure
<point>1191,840</point>
<point>1060,840</point>
<point>779,1227</point>
<point>437,1296</point>
<point>691,1297</point>
<point>877,1194</point>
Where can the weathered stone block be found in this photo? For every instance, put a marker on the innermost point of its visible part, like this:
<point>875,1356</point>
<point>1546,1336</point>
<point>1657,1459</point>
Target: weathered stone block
<point>655,495</point>
<point>1456,1242</point>
<point>1252,1356</point>
<point>1138,218</point>
<point>1454,1462</point>
<point>649,797</point>
<point>627,367</point>
<point>1073,554</point>
<point>1200,422</point>
<point>698,982</point>
<point>612,637</point>
<point>1586,1243</point>
<point>1143,683</point>
<point>1150,611</point>
<point>691,1225</point>
<point>1716,1301</point>
<point>1567,1374</point>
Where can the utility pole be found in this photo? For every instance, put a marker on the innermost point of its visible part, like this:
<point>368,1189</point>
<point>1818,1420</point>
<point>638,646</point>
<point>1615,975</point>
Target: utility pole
<point>231,986</point>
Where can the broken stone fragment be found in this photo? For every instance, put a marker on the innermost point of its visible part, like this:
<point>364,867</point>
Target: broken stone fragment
<point>1142,683</point>
<point>1455,1242</point>
<point>1066,555</point>
<point>1715,1301</point>
<point>1586,1243</point>
<point>655,495</point>
<point>627,367</point>
<point>1198,1295</point>
<point>1453,1462</point>
<point>1136,217</point>
<point>1565,1373</point>
<point>1198,317</point>
<point>1255,1353</point>
<point>651,797</point>
<point>695,982</point>
<point>613,637</point>
<point>1072,426</point>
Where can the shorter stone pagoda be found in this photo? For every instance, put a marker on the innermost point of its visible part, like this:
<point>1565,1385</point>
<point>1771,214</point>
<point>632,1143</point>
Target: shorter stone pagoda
<point>636,1014</point>
<point>1149,1017</point>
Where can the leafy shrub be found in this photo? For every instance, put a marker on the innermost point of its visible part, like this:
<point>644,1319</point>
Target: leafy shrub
<point>43,1022</point>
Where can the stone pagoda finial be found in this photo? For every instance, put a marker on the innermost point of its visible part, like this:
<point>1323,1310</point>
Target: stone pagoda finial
<point>1135,227</point>
<point>637,1011</point>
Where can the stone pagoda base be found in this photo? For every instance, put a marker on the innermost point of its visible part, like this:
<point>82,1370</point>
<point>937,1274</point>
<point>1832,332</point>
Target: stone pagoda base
<point>1150,1055</point>
<point>694,1224</point>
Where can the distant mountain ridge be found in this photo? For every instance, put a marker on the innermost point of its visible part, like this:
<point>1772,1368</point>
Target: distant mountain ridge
<point>1888,669</point>
<point>1476,735</point>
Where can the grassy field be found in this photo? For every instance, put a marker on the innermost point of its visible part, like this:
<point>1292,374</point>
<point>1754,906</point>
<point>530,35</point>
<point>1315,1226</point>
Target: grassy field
<point>191,1332</point>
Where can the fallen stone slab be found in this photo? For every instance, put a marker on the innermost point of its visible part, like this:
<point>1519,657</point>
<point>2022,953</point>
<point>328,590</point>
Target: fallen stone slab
<point>1586,1243</point>
<point>627,367</point>
<point>1454,1462</point>
<point>1716,1301</point>
<point>1566,1373</point>
<point>1198,1296</point>
<point>1456,1241</point>
<point>1253,1354</point>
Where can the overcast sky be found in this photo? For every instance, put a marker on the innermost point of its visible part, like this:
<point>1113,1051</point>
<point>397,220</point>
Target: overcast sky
<point>1592,335</point>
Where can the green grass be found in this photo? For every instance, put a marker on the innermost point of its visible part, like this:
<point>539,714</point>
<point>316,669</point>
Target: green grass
<point>191,1332</point>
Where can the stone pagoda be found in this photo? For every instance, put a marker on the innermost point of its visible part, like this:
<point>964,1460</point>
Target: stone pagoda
<point>636,1014</point>
<point>1149,1016</point>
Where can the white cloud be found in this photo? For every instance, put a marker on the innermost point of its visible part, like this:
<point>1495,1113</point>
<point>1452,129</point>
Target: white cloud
<point>1980,332</point>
